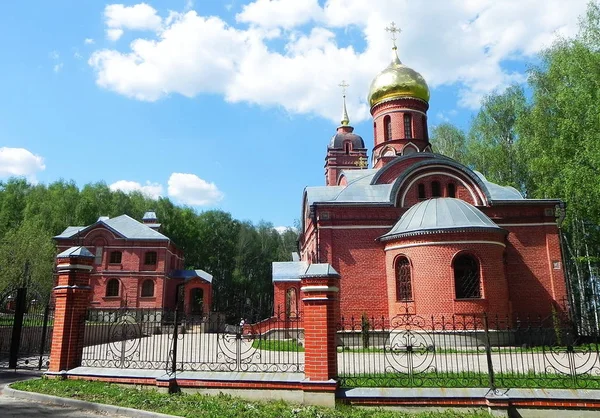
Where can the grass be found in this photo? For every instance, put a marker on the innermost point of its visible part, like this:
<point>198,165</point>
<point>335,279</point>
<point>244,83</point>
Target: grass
<point>278,345</point>
<point>480,350</point>
<point>472,380</point>
<point>222,406</point>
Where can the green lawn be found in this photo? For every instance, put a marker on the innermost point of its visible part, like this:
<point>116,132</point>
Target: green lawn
<point>278,345</point>
<point>221,406</point>
<point>472,380</point>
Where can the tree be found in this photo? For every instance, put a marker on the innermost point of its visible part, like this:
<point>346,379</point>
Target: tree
<point>492,144</point>
<point>448,140</point>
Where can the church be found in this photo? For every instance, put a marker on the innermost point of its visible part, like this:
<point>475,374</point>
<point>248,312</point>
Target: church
<point>419,232</point>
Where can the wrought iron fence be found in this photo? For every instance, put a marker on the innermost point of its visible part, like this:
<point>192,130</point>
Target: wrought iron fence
<point>26,336</point>
<point>172,341</point>
<point>466,351</point>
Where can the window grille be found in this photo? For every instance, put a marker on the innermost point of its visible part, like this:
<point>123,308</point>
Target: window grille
<point>150,258</point>
<point>387,123</point>
<point>115,257</point>
<point>403,280</point>
<point>408,126</point>
<point>466,277</point>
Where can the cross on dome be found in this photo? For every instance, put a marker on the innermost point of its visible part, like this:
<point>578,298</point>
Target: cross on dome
<point>393,30</point>
<point>345,119</point>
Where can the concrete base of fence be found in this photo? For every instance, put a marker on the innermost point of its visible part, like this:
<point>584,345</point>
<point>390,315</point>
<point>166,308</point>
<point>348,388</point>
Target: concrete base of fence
<point>290,387</point>
<point>525,403</point>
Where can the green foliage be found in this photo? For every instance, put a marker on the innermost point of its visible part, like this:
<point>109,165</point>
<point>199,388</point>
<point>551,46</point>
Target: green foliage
<point>448,140</point>
<point>221,406</point>
<point>237,254</point>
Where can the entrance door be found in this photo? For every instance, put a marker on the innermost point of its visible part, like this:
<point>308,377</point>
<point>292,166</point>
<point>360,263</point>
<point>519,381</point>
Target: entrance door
<point>197,301</point>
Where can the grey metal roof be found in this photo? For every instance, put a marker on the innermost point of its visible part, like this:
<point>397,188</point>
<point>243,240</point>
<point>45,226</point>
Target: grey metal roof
<point>320,270</point>
<point>439,214</point>
<point>288,270</point>
<point>149,216</point>
<point>123,225</point>
<point>191,274</point>
<point>76,252</point>
<point>337,141</point>
<point>498,192</point>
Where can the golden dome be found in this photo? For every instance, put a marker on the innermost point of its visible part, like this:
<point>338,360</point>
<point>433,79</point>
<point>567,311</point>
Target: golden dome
<point>396,81</point>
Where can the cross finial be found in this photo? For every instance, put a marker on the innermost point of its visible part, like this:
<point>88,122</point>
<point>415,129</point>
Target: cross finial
<point>393,30</point>
<point>343,85</point>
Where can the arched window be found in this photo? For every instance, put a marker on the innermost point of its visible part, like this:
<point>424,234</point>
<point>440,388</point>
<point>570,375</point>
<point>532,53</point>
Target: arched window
<point>409,149</point>
<point>148,288</point>
<point>467,282</point>
<point>435,189</point>
<point>403,280</point>
<point>451,190</point>
<point>115,257</point>
<point>291,303</point>
<point>425,130</point>
<point>421,191</point>
<point>387,126</point>
<point>150,258</point>
<point>112,288</point>
<point>374,129</point>
<point>408,126</point>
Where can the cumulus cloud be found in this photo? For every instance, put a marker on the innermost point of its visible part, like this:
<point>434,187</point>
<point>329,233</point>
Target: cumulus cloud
<point>137,17</point>
<point>451,42</point>
<point>20,162</point>
<point>280,13</point>
<point>190,189</point>
<point>153,190</point>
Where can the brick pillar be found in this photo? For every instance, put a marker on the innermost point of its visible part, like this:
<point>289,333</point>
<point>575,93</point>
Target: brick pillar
<point>320,286</point>
<point>72,295</point>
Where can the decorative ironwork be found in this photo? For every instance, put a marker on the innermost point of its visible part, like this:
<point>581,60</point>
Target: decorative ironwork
<point>466,351</point>
<point>172,341</point>
<point>466,276</point>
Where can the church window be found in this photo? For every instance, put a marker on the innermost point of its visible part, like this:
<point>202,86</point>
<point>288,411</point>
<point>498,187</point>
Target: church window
<point>112,288</point>
<point>148,288</point>
<point>387,124</point>
<point>115,257</point>
<point>421,188</point>
<point>435,189</point>
<point>467,283</point>
<point>425,131</point>
<point>403,280</point>
<point>451,190</point>
<point>150,258</point>
<point>407,126</point>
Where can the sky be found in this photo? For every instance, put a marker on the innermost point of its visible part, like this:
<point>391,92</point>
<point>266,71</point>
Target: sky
<point>230,104</point>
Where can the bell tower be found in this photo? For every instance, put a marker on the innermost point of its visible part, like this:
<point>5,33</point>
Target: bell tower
<point>399,100</point>
<point>346,150</point>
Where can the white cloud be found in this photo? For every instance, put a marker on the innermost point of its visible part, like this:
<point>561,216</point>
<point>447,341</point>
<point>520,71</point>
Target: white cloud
<point>88,41</point>
<point>462,43</point>
<point>153,190</point>
<point>279,13</point>
<point>282,229</point>
<point>57,67</point>
<point>190,189</point>
<point>20,162</point>
<point>137,17</point>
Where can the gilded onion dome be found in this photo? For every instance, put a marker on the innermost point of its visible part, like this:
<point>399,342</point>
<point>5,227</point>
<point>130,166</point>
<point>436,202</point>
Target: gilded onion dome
<point>397,81</point>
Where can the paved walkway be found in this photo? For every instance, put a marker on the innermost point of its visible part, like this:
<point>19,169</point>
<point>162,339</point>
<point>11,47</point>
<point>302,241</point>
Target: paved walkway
<point>33,405</point>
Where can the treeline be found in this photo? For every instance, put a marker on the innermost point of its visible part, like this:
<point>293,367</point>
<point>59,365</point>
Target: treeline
<point>237,253</point>
<point>544,139</point>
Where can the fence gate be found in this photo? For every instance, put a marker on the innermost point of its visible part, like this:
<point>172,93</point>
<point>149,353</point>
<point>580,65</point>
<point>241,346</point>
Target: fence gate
<point>25,331</point>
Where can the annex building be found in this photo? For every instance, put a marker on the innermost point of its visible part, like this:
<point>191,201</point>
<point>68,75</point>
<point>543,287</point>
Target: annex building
<point>136,266</point>
<point>419,232</point>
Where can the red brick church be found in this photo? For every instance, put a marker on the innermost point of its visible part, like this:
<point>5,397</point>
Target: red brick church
<point>421,232</point>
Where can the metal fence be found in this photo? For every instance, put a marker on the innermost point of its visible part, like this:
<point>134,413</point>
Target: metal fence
<point>25,333</point>
<point>466,351</point>
<point>172,341</point>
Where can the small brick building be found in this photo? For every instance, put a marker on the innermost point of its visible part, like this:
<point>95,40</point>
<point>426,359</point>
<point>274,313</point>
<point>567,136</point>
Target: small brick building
<point>137,266</point>
<point>420,232</point>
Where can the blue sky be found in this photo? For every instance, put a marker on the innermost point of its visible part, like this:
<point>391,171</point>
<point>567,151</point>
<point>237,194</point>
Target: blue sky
<point>231,104</point>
